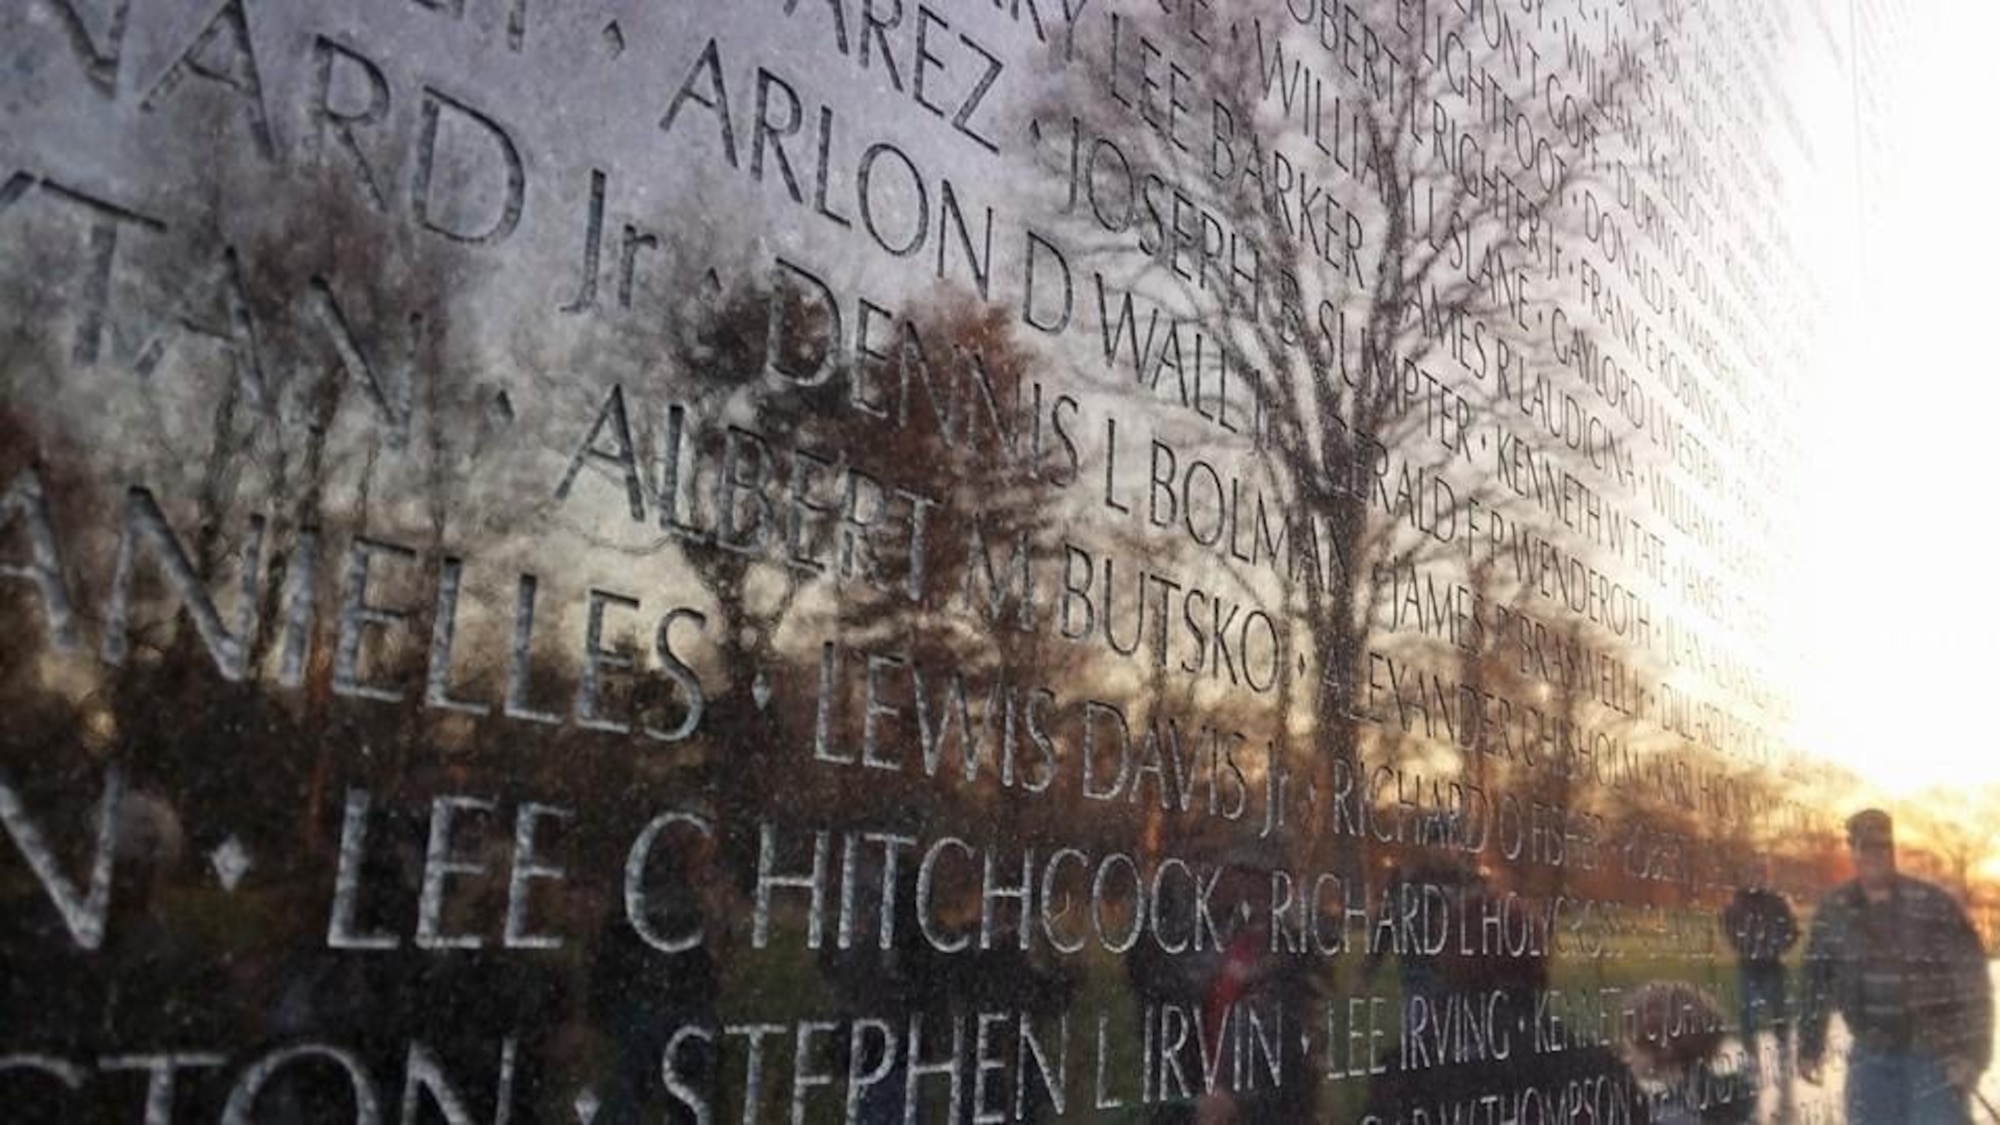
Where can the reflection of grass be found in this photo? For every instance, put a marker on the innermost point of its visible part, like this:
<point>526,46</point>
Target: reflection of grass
<point>1629,964</point>
<point>782,984</point>
<point>1103,989</point>
<point>1630,971</point>
<point>1342,1099</point>
<point>212,918</point>
<point>776,985</point>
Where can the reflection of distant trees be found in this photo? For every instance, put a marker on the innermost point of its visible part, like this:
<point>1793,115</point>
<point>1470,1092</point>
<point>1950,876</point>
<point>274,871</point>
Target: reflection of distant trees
<point>255,400</point>
<point>733,361</point>
<point>364,417</point>
<point>1957,828</point>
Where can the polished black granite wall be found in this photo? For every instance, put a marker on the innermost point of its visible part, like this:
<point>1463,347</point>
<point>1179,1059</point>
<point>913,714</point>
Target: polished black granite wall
<point>866,560</point>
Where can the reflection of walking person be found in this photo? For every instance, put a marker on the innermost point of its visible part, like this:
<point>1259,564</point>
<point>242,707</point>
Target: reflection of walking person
<point>641,994</point>
<point>1761,928</point>
<point>1897,958</point>
<point>1251,976</point>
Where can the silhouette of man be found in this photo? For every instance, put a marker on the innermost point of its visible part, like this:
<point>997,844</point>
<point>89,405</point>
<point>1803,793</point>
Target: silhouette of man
<point>1897,958</point>
<point>1760,926</point>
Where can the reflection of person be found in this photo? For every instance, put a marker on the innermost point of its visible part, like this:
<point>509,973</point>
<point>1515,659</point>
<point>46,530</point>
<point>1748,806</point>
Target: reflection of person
<point>1504,1077</point>
<point>640,995</point>
<point>1897,958</point>
<point>1220,987</point>
<point>1007,978</point>
<point>1254,974</point>
<point>1418,969</point>
<point>901,980</point>
<point>1761,927</point>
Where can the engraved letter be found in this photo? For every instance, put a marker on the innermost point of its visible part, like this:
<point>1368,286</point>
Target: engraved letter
<point>83,912</point>
<point>436,107</point>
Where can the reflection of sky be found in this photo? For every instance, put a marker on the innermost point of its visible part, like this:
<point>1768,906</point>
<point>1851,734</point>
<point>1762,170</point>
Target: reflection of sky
<point>1898,631</point>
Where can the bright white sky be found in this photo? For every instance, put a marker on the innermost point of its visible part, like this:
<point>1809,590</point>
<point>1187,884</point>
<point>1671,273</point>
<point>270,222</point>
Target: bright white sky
<point>1899,544</point>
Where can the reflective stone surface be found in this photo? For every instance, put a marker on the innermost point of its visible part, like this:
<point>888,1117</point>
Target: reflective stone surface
<point>870,560</point>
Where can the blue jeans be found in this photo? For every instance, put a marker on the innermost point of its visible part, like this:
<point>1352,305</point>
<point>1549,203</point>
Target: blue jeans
<point>1762,1006</point>
<point>1905,1087</point>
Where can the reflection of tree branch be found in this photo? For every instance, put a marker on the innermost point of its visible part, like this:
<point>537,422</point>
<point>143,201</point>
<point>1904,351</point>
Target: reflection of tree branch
<point>1329,411</point>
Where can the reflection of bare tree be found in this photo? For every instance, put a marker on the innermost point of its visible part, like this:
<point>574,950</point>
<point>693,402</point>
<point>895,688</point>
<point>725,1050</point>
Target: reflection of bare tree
<point>1956,825</point>
<point>1350,332</point>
